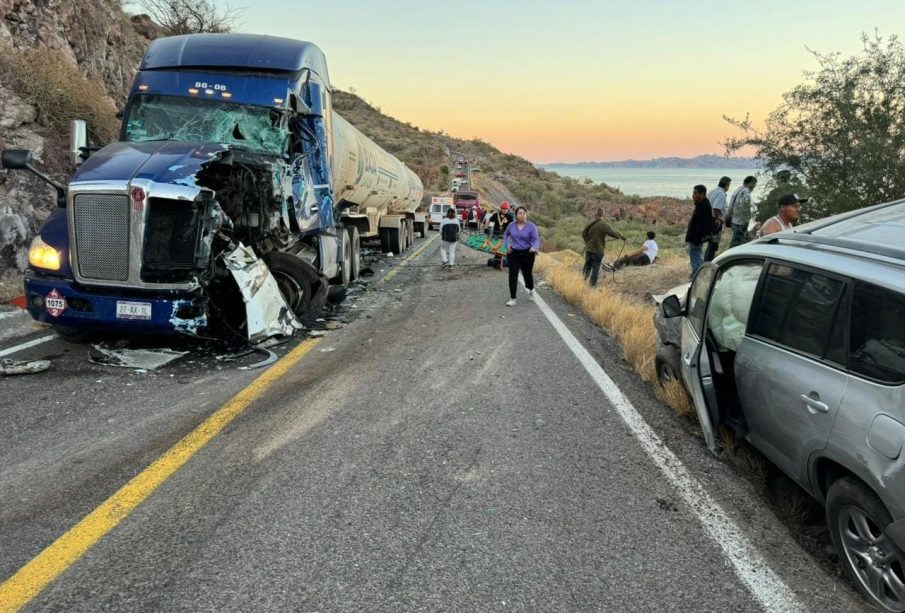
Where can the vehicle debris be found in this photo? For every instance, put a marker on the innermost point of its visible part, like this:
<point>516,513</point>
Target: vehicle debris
<point>142,359</point>
<point>266,312</point>
<point>10,367</point>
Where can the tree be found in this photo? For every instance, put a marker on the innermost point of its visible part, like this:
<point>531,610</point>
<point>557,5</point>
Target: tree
<point>842,133</point>
<point>190,16</point>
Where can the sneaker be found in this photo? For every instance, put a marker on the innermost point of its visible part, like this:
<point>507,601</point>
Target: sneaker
<point>531,294</point>
<point>609,267</point>
<point>511,302</point>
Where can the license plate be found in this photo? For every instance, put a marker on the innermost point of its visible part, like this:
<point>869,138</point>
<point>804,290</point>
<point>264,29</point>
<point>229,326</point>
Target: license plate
<point>133,310</point>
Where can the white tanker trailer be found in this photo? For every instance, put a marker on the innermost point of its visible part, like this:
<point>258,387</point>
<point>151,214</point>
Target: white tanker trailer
<point>230,155</point>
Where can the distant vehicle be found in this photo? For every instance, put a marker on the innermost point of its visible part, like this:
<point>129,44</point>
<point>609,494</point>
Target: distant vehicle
<point>461,160</point>
<point>796,342</point>
<point>460,174</point>
<point>439,206</point>
<point>466,199</point>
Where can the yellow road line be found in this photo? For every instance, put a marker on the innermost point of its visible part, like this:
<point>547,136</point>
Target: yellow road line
<point>418,252</point>
<point>32,578</point>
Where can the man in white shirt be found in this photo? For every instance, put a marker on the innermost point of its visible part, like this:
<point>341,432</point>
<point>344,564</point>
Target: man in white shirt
<point>644,256</point>
<point>717,199</point>
<point>741,212</point>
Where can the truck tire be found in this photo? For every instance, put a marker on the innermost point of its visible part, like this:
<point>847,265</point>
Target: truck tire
<point>299,282</point>
<point>397,239</point>
<point>410,232</point>
<point>385,243</point>
<point>345,271</point>
<point>73,335</point>
<point>355,264</point>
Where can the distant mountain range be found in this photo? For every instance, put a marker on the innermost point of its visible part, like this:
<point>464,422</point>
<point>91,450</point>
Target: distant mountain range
<point>700,161</point>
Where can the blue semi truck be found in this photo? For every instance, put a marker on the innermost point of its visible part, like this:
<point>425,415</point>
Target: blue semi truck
<point>232,171</point>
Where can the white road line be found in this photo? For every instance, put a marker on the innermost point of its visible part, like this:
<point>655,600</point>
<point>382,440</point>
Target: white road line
<point>32,343</point>
<point>13,313</point>
<point>765,585</point>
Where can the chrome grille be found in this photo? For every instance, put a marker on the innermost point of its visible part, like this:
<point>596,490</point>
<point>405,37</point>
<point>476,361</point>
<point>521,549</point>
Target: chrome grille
<point>102,236</point>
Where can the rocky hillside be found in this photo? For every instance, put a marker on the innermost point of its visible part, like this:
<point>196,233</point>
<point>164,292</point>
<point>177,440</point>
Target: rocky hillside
<point>58,57</point>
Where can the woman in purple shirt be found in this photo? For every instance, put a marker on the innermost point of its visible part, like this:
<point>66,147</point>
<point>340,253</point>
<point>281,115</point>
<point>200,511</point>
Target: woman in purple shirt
<point>522,243</point>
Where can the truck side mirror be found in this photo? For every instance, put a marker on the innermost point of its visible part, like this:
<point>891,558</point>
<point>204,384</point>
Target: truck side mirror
<point>78,141</point>
<point>20,159</point>
<point>16,159</point>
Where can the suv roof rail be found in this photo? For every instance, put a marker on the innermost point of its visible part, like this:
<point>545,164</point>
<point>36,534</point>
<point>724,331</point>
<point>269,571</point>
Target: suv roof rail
<point>896,253</point>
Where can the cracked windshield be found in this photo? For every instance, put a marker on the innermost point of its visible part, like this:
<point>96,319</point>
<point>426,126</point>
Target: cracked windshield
<point>206,121</point>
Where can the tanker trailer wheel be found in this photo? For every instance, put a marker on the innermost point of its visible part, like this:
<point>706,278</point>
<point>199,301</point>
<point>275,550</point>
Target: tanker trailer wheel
<point>355,262</point>
<point>345,272</point>
<point>299,283</point>
<point>410,227</point>
<point>398,238</point>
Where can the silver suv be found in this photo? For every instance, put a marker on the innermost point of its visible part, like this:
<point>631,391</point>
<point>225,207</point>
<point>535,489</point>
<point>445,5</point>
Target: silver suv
<point>797,342</point>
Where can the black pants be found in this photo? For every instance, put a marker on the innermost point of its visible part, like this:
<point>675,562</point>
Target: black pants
<point>520,259</point>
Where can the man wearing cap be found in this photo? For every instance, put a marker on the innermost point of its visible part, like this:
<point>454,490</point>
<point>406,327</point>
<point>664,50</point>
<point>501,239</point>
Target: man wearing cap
<point>789,211</point>
<point>500,219</point>
<point>717,198</point>
<point>594,235</point>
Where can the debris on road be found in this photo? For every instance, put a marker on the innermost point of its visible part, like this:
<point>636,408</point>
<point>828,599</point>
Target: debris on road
<point>24,367</point>
<point>143,359</point>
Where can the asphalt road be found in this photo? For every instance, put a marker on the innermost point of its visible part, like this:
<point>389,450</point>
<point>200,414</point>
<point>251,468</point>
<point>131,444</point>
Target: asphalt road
<point>440,452</point>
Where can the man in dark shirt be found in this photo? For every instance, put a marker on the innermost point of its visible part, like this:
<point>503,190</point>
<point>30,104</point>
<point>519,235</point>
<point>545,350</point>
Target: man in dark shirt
<point>700,227</point>
<point>594,235</point>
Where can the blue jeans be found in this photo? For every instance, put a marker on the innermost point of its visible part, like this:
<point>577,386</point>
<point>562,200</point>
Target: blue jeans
<point>739,235</point>
<point>592,266</point>
<point>694,256</point>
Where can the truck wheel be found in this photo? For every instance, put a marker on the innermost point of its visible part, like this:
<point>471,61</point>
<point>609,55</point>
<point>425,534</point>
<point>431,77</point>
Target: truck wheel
<point>345,272</point>
<point>355,240</point>
<point>409,233</point>
<point>299,282</point>
<point>386,245</point>
<point>858,520</point>
<point>73,335</point>
<point>398,238</point>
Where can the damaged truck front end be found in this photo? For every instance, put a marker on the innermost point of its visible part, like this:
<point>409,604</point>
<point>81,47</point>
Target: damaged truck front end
<point>213,217</point>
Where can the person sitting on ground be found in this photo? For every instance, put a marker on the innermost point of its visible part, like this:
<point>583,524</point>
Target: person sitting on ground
<point>644,256</point>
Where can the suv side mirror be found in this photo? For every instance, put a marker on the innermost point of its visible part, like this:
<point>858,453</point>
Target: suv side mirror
<point>671,307</point>
<point>20,159</point>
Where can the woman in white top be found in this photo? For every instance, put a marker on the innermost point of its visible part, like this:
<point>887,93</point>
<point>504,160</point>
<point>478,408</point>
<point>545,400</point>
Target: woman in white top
<point>789,211</point>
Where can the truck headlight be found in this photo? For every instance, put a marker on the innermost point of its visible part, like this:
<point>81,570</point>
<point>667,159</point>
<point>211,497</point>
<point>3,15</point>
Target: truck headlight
<point>42,255</point>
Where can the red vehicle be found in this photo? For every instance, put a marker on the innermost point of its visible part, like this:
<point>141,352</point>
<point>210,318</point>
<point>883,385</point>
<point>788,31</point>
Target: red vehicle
<point>466,200</point>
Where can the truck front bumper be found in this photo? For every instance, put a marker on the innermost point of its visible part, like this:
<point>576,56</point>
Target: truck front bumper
<point>61,302</point>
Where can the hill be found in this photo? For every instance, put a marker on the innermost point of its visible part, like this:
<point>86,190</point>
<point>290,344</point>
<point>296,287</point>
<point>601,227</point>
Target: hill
<point>559,205</point>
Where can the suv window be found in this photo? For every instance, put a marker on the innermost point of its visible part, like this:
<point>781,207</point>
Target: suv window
<point>877,334</point>
<point>730,303</point>
<point>697,298</point>
<point>798,309</point>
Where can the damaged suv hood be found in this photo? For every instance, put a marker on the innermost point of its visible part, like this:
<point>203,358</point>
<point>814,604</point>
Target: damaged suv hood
<point>172,162</point>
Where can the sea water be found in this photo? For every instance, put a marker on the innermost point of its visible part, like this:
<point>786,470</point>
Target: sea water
<point>674,182</point>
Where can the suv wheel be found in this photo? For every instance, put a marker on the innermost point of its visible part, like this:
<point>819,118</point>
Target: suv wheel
<point>858,521</point>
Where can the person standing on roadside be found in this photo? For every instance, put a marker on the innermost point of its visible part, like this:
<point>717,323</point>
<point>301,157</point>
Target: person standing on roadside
<point>789,212</point>
<point>594,235</point>
<point>717,198</point>
<point>500,219</point>
<point>449,236</point>
<point>700,227</point>
<point>739,213</point>
<point>522,243</point>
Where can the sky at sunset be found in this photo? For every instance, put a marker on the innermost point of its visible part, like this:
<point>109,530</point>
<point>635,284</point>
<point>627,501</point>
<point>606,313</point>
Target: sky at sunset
<point>575,80</point>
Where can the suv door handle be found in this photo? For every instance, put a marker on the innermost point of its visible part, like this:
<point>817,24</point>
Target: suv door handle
<point>815,405</point>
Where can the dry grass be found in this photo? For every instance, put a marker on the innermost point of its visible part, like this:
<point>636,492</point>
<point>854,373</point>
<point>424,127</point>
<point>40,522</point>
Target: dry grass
<point>59,92</point>
<point>626,317</point>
